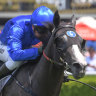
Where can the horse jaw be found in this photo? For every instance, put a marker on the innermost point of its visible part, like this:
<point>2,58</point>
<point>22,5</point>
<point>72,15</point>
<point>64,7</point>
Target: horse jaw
<point>78,67</point>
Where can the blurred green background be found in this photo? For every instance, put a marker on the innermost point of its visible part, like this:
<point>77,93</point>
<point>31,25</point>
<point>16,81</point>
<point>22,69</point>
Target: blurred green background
<point>76,89</point>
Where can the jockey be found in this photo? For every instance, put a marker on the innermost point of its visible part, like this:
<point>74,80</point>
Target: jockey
<point>18,36</point>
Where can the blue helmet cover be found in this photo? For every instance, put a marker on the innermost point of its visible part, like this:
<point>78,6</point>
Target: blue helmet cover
<point>42,14</point>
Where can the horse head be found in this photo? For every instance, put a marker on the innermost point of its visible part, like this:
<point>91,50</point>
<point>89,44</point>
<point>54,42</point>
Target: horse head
<point>68,44</point>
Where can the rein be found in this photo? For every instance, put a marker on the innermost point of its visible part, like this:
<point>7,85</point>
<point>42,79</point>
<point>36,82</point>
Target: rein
<point>46,56</point>
<point>27,90</point>
<point>66,79</point>
<point>52,61</point>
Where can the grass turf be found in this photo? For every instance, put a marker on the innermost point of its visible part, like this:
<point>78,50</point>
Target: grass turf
<point>76,89</point>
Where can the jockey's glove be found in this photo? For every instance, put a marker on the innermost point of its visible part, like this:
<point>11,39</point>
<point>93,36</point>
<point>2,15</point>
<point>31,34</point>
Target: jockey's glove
<point>40,50</point>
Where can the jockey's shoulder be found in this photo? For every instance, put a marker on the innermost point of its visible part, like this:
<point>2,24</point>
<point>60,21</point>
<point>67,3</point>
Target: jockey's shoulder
<point>20,20</point>
<point>23,21</point>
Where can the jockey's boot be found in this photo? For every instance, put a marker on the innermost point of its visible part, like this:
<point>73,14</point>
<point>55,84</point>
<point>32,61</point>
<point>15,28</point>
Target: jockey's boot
<point>4,71</point>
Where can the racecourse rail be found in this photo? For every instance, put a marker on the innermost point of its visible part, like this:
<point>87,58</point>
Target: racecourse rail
<point>5,16</point>
<point>63,16</point>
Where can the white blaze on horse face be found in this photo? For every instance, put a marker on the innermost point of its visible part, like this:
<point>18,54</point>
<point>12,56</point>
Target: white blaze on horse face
<point>78,55</point>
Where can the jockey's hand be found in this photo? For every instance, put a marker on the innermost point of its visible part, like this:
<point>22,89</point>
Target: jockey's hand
<point>39,46</point>
<point>40,50</point>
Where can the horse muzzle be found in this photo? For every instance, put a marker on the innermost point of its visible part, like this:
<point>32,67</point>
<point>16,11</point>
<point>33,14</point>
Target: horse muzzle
<point>78,70</point>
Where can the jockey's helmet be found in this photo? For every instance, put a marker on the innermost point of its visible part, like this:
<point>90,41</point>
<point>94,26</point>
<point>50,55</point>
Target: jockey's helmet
<point>42,14</point>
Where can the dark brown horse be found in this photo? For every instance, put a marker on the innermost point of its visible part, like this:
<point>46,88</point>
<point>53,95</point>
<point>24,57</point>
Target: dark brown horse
<point>45,78</point>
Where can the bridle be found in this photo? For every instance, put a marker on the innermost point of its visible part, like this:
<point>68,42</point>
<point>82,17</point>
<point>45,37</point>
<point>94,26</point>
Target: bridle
<point>55,30</point>
<point>53,61</point>
<point>66,79</point>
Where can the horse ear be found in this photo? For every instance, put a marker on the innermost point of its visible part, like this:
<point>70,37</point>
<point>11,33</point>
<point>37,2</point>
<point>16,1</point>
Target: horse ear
<point>73,20</point>
<point>56,19</point>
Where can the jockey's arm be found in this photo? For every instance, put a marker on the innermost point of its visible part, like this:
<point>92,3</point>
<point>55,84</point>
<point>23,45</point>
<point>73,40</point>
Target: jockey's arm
<point>92,66</point>
<point>15,46</point>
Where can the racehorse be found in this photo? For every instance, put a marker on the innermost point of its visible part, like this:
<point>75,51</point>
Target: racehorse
<point>45,76</point>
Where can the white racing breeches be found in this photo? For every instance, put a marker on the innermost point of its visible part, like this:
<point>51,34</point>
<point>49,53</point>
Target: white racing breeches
<point>4,56</point>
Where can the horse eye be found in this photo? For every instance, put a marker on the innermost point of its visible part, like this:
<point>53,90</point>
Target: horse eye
<point>65,37</point>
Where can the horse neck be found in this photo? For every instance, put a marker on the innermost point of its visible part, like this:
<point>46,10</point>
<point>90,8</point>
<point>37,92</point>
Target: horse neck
<point>47,78</point>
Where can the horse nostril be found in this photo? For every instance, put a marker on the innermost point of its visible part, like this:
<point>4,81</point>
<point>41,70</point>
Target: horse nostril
<point>78,70</point>
<point>77,65</point>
